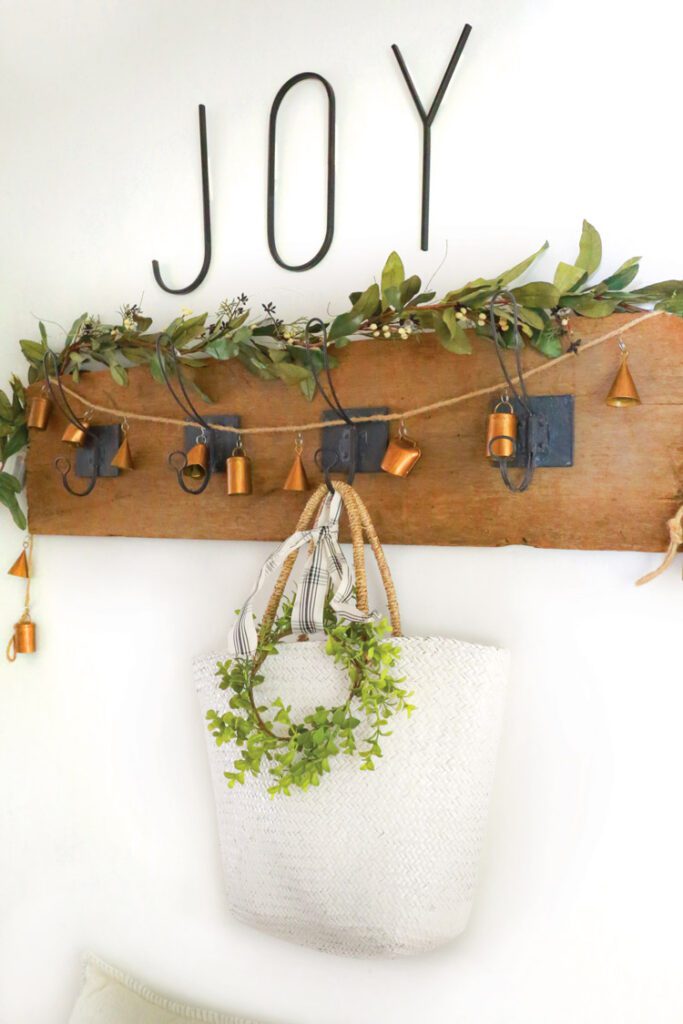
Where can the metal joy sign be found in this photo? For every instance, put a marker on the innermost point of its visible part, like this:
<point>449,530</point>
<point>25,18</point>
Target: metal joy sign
<point>427,117</point>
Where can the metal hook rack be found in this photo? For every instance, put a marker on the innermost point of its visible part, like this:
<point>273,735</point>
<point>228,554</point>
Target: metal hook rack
<point>356,447</point>
<point>546,422</point>
<point>219,443</point>
<point>93,458</point>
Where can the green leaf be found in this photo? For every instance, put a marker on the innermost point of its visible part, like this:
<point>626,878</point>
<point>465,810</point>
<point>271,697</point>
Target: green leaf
<point>10,482</point>
<point>567,276</point>
<point>75,328</point>
<point>409,289</point>
<point>531,317</point>
<point>514,272</point>
<point>17,441</point>
<point>202,394</point>
<point>291,373</point>
<point>590,249</point>
<point>348,323</point>
<point>457,340</point>
<point>663,289</point>
<point>118,374</point>
<point>308,388</point>
<point>673,304</point>
<point>492,284</point>
<point>588,305</point>
<point>43,332</point>
<point>393,275</point>
<point>33,350</point>
<point>623,275</point>
<point>537,295</point>
<point>548,342</point>
<point>422,298</point>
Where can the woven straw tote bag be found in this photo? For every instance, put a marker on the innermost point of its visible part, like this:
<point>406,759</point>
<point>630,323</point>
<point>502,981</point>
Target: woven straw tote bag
<point>380,863</point>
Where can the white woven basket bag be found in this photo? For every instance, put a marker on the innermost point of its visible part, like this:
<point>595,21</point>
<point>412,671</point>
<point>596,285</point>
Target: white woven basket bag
<point>368,863</point>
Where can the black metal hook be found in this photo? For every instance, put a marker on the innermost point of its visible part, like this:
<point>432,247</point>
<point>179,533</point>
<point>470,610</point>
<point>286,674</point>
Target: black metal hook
<point>530,423</point>
<point>177,460</point>
<point>62,464</point>
<point>206,211</point>
<point>332,400</point>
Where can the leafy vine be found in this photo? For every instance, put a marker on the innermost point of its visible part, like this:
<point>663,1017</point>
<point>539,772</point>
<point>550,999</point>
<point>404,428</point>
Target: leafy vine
<point>394,308</point>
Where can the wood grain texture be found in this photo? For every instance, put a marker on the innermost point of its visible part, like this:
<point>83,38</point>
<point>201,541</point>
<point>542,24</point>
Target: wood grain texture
<point>626,481</point>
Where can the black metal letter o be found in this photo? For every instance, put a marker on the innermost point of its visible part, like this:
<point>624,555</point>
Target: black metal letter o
<point>272,127</point>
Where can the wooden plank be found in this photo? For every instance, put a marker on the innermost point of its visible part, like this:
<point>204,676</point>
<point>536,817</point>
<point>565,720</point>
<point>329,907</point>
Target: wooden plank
<point>626,481</point>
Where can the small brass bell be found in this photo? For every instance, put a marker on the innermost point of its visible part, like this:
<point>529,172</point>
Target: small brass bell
<point>501,431</point>
<point>20,567</point>
<point>296,478</point>
<point>75,435</point>
<point>39,411</point>
<point>238,468</point>
<point>197,460</point>
<point>401,455</point>
<point>623,391</point>
<point>23,639</point>
<point>124,457</point>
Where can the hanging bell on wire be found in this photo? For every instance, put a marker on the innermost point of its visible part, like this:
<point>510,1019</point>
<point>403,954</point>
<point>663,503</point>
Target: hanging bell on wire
<point>39,410</point>
<point>402,453</point>
<point>623,391</point>
<point>124,457</point>
<point>238,468</point>
<point>20,568</point>
<point>296,478</point>
<point>197,459</point>
<point>23,639</point>
<point>501,431</point>
<point>75,434</point>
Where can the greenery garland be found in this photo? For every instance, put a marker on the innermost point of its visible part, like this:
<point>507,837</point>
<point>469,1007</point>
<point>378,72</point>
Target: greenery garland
<point>297,755</point>
<point>274,349</point>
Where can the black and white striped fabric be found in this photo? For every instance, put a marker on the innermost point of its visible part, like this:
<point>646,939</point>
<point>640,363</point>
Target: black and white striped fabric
<point>326,568</point>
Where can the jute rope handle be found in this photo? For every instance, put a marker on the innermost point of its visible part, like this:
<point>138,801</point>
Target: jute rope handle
<point>675,540</point>
<point>360,522</point>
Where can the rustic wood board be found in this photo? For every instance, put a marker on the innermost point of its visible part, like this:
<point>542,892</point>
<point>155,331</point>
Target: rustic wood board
<point>626,481</point>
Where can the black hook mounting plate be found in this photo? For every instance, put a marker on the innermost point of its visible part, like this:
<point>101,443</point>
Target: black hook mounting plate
<point>373,439</point>
<point>220,442</point>
<point>94,459</point>
<point>553,427</point>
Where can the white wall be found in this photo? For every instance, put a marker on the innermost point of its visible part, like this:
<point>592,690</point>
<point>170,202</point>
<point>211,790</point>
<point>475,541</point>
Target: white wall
<point>108,839</point>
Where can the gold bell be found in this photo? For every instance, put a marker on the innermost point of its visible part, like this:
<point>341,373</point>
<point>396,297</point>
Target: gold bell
<point>39,411</point>
<point>501,432</point>
<point>402,453</point>
<point>296,478</point>
<point>75,435</point>
<point>623,390</point>
<point>21,567</point>
<point>23,639</point>
<point>238,468</point>
<point>124,457</point>
<point>197,460</point>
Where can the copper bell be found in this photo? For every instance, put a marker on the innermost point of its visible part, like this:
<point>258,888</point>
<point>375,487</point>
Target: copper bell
<point>197,460</point>
<point>503,427</point>
<point>75,435</point>
<point>124,457</point>
<point>20,567</point>
<point>238,468</point>
<point>23,639</point>
<point>39,411</point>
<point>623,390</point>
<point>402,453</point>
<point>296,478</point>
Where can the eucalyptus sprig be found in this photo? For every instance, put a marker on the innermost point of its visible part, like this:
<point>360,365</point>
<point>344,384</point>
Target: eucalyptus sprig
<point>297,754</point>
<point>394,308</point>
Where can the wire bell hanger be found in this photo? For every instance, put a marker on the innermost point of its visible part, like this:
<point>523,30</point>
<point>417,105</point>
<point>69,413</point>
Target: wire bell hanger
<point>322,455</point>
<point>178,460</point>
<point>58,395</point>
<point>529,420</point>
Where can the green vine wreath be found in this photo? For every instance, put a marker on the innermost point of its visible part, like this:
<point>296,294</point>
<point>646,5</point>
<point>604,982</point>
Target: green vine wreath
<point>393,309</point>
<point>297,754</point>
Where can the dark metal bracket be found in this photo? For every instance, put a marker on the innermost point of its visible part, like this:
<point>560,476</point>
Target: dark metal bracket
<point>371,442</point>
<point>548,434</point>
<point>220,442</point>
<point>94,457</point>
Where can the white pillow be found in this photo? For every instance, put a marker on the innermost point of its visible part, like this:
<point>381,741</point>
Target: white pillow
<point>108,996</point>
